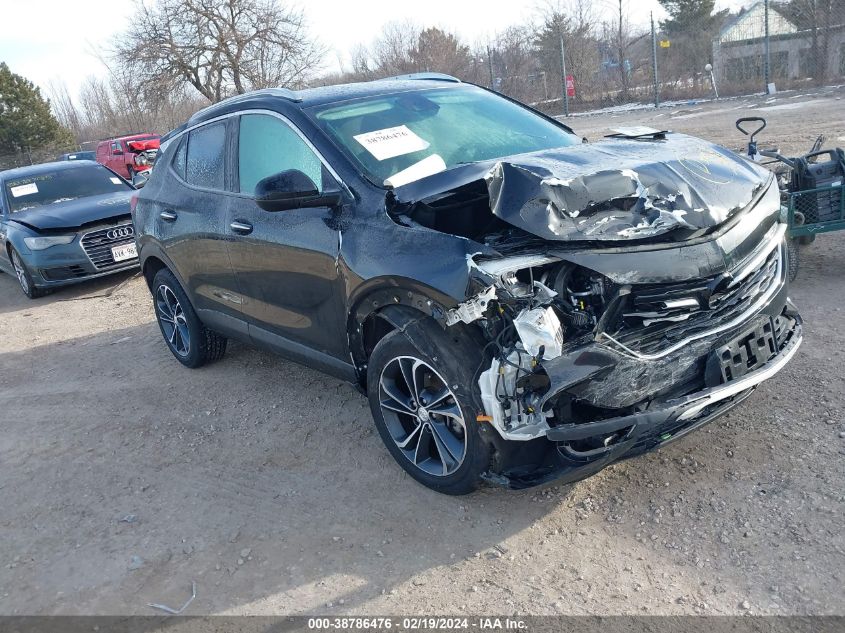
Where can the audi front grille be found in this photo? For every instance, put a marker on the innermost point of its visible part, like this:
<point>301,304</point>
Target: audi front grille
<point>98,244</point>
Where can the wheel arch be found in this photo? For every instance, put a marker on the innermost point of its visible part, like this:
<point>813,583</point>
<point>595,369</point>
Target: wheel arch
<point>383,305</point>
<point>153,260</point>
<point>413,308</point>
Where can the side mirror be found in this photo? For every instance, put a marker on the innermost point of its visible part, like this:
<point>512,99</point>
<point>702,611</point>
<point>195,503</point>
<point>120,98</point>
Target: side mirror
<point>292,189</point>
<point>116,152</point>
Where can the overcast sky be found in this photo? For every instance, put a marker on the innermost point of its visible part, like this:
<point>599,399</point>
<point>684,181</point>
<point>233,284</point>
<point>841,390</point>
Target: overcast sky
<point>57,40</point>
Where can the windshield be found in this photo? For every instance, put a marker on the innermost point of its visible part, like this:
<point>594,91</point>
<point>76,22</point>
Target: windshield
<point>45,188</point>
<point>399,138</point>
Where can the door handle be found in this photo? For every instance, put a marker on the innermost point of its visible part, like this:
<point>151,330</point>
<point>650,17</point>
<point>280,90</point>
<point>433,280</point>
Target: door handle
<point>168,216</point>
<point>244,228</point>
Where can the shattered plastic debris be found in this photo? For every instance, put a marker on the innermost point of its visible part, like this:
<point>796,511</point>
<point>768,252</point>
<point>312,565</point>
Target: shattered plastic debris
<point>540,327</point>
<point>492,384</point>
<point>171,610</point>
<point>472,309</point>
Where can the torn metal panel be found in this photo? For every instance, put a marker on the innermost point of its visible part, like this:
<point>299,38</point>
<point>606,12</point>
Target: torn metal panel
<point>613,190</point>
<point>623,189</point>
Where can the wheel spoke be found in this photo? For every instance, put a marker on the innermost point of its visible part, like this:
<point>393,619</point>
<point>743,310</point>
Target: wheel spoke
<point>398,407</point>
<point>164,308</point>
<point>184,337</point>
<point>423,451</point>
<point>449,446</point>
<point>390,388</point>
<point>408,367</point>
<point>172,302</point>
<point>403,444</point>
<point>450,410</point>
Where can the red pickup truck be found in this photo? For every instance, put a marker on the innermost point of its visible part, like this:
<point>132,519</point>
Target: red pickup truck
<point>128,154</point>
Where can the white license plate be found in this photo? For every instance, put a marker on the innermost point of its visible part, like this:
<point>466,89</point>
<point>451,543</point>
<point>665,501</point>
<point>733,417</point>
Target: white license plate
<point>124,252</point>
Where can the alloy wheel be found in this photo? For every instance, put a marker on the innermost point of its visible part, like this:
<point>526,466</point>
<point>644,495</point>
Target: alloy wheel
<point>422,416</point>
<point>20,271</point>
<point>173,321</point>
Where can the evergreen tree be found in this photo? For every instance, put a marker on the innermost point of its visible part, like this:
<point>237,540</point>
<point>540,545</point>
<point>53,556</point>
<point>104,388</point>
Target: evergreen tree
<point>25,117</point>
<point>688,17</point>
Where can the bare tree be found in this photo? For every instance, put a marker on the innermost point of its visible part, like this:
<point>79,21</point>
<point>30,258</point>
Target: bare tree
<point>64,107</point>
<point>391,52</point>
<point>220,47</point>
<point>576,25</point>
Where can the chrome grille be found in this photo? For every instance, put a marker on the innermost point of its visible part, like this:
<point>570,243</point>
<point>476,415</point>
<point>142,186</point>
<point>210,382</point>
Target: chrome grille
<point>659,316</point>
<point>98,244</point>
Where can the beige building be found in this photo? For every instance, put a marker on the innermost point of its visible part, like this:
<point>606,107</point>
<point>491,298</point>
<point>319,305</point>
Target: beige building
<point>739,51</point>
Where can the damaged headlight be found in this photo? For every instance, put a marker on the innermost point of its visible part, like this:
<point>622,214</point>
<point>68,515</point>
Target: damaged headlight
<point>528,308</point>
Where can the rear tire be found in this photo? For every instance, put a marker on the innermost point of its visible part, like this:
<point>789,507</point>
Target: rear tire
<point>430,429</point>
<point>187,338</point>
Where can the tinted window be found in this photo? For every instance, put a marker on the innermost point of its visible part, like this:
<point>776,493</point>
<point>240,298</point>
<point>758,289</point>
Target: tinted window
<point>267,146</point>
<point>179,157</point>
<point>204,166</point>
<point>45,188</point>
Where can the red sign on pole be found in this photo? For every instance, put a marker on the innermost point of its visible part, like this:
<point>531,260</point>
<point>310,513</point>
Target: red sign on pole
<point>570,86</point>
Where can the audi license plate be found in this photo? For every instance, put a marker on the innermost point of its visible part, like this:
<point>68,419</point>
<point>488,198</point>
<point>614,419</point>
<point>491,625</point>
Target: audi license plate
<point>124,252</point>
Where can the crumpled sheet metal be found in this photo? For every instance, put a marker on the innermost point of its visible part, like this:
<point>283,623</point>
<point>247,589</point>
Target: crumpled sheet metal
<point>622,189</point>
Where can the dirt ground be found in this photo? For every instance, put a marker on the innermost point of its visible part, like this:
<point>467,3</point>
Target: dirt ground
<point>124,477</point>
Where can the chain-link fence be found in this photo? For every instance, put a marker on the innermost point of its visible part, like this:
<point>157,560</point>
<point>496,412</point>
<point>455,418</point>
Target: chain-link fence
<point>30,156</point>
<point>582,64</point>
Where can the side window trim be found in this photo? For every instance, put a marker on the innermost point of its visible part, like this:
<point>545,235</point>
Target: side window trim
<point>233,146</point>
<point>185,138</point>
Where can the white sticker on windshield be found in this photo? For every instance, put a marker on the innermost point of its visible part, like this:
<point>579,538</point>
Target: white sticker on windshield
<point>24,190</point>
<point>116,181</point>
<point>391,142</point>
<point>429,166</point>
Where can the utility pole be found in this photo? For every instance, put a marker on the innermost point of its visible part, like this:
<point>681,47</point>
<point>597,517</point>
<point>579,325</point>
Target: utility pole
<point>622,70</point>
<point>654,62</point>
<point>563,77</point>
<point>766,60</point>
<point>490,64</point>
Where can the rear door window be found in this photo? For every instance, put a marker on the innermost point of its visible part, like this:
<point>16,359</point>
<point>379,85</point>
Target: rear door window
<point>206,156</point>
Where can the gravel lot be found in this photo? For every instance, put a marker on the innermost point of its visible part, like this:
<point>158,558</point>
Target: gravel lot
<point>124,477</point>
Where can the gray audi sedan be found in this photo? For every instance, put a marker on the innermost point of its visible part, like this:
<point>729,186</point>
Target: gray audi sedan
<point>64,222</point>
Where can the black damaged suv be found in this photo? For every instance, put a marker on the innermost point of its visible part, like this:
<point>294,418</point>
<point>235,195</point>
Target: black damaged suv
<point>518,305</point>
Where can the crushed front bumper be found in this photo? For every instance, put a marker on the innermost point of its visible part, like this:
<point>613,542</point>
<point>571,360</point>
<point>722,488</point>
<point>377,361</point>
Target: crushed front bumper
<point>557,456</point>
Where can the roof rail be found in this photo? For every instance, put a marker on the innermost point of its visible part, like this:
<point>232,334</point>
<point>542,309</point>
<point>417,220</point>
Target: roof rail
<point>426,76</point>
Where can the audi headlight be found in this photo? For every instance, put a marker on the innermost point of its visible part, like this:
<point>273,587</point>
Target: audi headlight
<point>40,243</point>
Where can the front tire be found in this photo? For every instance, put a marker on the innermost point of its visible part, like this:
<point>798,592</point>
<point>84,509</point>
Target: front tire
<point>188,339</point>
<point>423,412</point>
<point>24,276</point>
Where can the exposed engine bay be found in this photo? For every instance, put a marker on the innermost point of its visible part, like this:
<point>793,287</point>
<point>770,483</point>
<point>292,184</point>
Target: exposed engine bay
<point>626,292</point>
<point>570,345</point>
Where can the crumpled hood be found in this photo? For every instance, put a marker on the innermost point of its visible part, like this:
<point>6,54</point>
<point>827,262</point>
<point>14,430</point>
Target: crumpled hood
<point>616,189</point>
<point>73,214</point>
